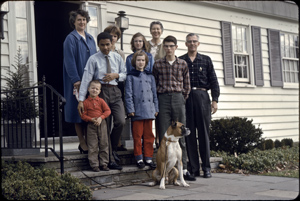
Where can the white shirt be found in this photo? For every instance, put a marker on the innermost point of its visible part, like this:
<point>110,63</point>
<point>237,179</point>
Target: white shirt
<point>96,68</point>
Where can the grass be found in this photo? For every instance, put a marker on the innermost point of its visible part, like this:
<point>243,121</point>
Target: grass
<point>282,162</point>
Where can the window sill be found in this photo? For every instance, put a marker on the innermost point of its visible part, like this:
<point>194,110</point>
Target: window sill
<point>244,85</point>
<point>290,85</point>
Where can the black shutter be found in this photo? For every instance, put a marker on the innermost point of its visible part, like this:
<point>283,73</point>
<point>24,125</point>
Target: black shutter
<point>257,56</point>
<point>227,53</point>
<point>275,58</point>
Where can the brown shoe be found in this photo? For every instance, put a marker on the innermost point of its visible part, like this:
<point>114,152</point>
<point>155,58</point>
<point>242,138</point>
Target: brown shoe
<point>96,169</point>
<point>104,168</point>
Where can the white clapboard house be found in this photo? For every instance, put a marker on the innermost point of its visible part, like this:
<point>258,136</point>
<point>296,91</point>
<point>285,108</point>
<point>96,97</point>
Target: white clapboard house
<point>254,46</point>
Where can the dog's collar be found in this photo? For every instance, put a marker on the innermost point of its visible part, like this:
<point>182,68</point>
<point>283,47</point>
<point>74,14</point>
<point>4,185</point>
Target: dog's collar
<point>171,139</point>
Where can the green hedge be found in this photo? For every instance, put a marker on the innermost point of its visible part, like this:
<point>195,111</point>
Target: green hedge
<point>21,181</point>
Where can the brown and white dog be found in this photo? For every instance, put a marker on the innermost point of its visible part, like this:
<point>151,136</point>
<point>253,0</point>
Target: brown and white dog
<point>169,153</point>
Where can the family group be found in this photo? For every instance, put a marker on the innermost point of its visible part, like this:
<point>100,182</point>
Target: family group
<point>158,86</point>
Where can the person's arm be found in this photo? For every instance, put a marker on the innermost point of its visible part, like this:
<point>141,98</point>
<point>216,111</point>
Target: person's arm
<point>186,81</point>
<point>128,99</point>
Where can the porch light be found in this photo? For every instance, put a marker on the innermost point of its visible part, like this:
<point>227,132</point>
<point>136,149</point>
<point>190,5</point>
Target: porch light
<point>123,23</point>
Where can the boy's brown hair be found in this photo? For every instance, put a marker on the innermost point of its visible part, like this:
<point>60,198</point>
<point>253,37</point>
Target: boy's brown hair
<point>114,30</point>
<point>139,53</point>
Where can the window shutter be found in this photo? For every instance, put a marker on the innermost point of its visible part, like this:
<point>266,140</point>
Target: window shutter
<point>275,58</point>
<point>227,53</point>
<point>257,56</point>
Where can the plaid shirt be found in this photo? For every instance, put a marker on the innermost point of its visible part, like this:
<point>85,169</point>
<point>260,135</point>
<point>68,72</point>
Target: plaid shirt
<point>172,78</point>
<point>202,74</point>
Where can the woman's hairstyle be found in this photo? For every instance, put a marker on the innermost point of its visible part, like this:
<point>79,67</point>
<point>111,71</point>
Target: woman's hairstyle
<point>139,53</point>
<point>73,15</point>
<point>103,35</point>
<point>114,30</point>
<point>145,44</point>
<point>170,39</point>
<point>157,22</point>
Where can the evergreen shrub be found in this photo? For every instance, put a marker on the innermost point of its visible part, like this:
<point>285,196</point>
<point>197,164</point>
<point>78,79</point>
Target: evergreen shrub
<point>21,181</point>
<point>234,135</point>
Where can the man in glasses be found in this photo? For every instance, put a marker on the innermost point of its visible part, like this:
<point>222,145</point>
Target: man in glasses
<point>199,106</point>
<point>173,88</point>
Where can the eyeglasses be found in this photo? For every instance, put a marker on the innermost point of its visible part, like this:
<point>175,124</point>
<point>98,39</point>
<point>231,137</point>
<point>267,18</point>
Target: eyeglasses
<point>169,46</point>
<point>138,41</point>
<point>192,41</point>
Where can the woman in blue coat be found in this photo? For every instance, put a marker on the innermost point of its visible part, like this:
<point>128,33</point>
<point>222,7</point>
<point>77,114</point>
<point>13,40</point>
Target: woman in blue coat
<point>78,47</point>
<point>142,106</point>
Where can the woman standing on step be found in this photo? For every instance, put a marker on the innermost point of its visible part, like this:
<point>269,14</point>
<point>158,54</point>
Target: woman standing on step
<point>78,47</point>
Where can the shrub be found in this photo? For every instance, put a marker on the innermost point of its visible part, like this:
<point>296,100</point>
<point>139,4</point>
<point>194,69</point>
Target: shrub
<point>277,144</point>
<point>269,144</point>
<point>234,135</point>
<point>287,142</point>
<point>21,181</point>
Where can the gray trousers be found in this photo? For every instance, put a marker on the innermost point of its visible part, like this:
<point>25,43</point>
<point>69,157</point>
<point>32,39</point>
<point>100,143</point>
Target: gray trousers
<point>171,108</point>
<point>113,97</point>
<point>97,142</point>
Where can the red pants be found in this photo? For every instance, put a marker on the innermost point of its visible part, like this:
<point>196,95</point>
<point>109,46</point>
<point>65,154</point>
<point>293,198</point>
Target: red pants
<point>142,128</point>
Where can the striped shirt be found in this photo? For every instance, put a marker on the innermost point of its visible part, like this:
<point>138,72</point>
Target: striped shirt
<point>172,78</point>
<point>202,74</point>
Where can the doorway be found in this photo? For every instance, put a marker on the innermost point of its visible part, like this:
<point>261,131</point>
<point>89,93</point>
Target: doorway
<point>52,27</point>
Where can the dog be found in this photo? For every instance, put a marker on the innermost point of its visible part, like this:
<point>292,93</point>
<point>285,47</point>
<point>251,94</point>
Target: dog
<point>169,153</point>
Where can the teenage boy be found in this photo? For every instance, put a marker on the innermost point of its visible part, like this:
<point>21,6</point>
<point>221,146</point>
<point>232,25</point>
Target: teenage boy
<point>199,107</point>
<point>173,88</point>
<point>108,67</point>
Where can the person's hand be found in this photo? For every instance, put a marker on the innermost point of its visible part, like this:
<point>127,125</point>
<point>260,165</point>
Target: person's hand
<point>77,85</point>
<point>80,108</point>
<point>214,107</point>
<point>110,76</point>
<point>131,114</point>
<point>156,113</point>
<point>98,121</point>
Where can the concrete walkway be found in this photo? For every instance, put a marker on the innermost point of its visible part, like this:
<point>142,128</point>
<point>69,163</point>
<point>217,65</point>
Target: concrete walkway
<point>221,186</point>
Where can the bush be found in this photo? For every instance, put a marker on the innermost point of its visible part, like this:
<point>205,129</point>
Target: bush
<point>234,135</point>
<point>277,144</point>
<point>287,142</point>
<point>21,181</point>
<point>269,144</point>
<point>258,161</point>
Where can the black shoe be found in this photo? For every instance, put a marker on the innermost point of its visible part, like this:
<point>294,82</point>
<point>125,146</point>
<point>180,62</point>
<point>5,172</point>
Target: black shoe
<point>189,177</point>
<point>207,174</point>
<point>121,148</point>
<point>81,150</point>
<point>140,164</point>
<point>151,164</point>
<point>115,166</point>
<point>116,156</point>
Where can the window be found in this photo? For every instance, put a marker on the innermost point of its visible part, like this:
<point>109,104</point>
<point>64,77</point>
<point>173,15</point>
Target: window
<point>92,26</point>
<point>290,57</point>
<point>21,29</point>
<point>241,54</point>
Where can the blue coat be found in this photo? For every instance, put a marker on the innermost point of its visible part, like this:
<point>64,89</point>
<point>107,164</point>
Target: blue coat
<point>76,53</point>
<point>149,66</point>
<point>140,95</point>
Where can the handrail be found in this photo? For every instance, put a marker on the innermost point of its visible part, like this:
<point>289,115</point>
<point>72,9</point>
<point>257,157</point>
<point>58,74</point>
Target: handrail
<point>56,101</point>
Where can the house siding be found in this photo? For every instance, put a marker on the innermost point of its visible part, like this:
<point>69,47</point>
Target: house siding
<point>274,109</point>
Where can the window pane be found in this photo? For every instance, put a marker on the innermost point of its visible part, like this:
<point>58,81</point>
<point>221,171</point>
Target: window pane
<point>282,45</point>
<point>4,6</point>
<point>287,44</point>
<point>93,15</point>
<point>20,9</point>
<point>24,51</point>
<point>292,48</point>
<point>94,32</point>
<point>21,25</point>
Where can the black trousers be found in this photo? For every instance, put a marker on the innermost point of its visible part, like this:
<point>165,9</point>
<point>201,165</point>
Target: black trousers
<point>198,117</point>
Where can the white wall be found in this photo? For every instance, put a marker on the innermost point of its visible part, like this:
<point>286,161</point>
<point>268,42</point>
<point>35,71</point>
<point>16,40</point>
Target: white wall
<point>275,109</point>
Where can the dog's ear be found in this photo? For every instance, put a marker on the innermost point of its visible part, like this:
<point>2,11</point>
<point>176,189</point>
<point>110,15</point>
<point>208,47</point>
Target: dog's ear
<point>174,124</point>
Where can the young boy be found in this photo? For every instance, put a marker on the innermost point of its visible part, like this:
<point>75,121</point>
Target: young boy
<point>142,106</point>
<point>95,111</point>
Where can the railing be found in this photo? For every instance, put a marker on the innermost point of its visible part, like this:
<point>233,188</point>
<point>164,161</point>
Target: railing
<point>22,110</point>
